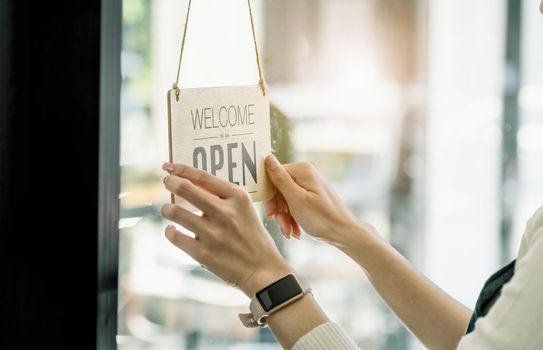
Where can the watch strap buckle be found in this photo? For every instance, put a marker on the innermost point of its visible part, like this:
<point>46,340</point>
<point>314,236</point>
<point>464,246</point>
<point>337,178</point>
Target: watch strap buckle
<point>250,320</point>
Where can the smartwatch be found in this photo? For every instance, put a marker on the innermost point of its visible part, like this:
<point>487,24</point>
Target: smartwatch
<point>274,297</point>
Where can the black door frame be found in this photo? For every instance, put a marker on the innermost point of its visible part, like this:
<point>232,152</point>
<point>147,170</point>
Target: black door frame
<point>60,85</point>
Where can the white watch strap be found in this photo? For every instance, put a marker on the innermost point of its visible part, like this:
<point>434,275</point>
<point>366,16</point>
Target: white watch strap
<point>257,316</point>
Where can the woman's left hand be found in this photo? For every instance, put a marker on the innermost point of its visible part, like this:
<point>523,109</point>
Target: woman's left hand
<point>230,238</point>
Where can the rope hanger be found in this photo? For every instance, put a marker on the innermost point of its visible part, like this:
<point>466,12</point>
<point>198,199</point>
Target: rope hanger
<point>261,82</point>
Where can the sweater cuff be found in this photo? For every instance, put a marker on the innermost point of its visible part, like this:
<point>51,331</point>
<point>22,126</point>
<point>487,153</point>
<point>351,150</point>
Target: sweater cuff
<point>325,337</point>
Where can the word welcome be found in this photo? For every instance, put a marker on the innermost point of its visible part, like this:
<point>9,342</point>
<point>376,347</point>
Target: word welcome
<point>210,118</point>
<point>217,157</point>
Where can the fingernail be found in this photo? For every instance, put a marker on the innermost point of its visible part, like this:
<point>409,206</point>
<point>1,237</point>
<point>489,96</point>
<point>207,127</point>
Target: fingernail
<point>167,231</point>
<point>164,179</point>
<point>284,233</point>
<point>168,167</point>
<point>272,162</point>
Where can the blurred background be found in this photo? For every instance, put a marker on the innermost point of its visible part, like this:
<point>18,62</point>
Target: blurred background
<point>426,116</point>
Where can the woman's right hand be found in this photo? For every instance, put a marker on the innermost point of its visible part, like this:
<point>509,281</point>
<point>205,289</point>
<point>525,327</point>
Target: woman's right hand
<point>302,196</point>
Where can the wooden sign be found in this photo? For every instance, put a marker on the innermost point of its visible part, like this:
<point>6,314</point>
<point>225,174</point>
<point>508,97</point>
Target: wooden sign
<point>224,131</point>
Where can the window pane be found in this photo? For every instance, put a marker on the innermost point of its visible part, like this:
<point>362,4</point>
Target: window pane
<point>341,111</point>
<point>395,103</point>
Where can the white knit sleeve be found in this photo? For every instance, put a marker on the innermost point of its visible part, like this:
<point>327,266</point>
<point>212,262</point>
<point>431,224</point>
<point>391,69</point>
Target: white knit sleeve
<point>514,321</point>
<point>327,336</point>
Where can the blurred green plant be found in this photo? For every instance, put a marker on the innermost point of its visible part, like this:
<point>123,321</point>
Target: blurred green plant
<point>281,130</point>
<point>137,44</point>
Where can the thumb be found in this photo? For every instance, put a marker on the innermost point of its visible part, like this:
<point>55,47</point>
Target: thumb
<point>280,178</point>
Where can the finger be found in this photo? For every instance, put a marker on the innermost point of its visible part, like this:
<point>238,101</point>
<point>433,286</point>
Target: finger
<point>187,244</point>
<point>280,204</point>
<point>283,220</point>
<point>183,217</point>
<point>213,184</point>
<point>281,178</point>
<point>277,204</point>
<point>197,196</point>
<point>269,207</point>
<point>290,224</point>
<point>295,228</point>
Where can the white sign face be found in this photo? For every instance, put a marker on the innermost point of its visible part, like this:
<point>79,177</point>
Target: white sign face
<point>224,131</point>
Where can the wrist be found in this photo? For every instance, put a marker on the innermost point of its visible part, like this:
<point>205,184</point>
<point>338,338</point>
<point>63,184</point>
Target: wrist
<point>265,276</point>
<point>359,240</point>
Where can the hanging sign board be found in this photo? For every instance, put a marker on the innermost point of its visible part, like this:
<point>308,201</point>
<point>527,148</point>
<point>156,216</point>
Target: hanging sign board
<point>224,131</point>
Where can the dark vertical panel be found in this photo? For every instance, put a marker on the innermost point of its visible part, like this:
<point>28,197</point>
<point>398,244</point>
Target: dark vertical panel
<point>5,76</point>
<point>49,177</point>
<point>109,174</point>
<point>510,124</point>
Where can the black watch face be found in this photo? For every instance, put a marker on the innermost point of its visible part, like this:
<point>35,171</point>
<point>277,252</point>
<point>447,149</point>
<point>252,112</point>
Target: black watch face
<point>279,292</point>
